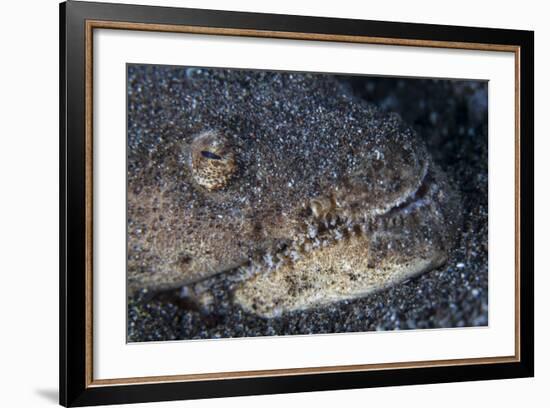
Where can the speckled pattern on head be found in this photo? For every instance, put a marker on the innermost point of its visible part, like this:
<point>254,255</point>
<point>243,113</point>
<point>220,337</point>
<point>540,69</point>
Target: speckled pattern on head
<point>300,192</point>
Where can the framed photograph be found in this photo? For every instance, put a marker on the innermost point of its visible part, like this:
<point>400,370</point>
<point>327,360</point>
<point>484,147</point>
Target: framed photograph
<point>255,203</point>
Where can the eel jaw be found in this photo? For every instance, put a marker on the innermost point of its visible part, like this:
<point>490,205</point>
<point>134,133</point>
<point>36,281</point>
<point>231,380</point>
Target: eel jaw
<point>346,258</point>
<point>335,273</point>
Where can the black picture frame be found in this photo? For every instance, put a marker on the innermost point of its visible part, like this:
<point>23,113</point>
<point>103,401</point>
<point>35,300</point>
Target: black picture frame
<point>76,385</point>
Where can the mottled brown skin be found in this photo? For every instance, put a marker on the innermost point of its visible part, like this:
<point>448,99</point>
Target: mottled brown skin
<point>310,195</point>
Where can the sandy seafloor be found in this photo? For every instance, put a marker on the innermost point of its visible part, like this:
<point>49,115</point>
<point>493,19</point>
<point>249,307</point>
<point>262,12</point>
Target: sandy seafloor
<point>452,117</point>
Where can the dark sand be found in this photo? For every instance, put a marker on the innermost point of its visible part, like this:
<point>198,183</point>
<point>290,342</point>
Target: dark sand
<point>452,117</point>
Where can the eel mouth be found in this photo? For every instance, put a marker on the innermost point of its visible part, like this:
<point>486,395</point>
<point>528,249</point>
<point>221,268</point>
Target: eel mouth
<point>327,222</point>
<point>338,255</point>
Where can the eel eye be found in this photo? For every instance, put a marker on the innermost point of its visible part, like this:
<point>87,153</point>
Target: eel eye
<point>212,160</point>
